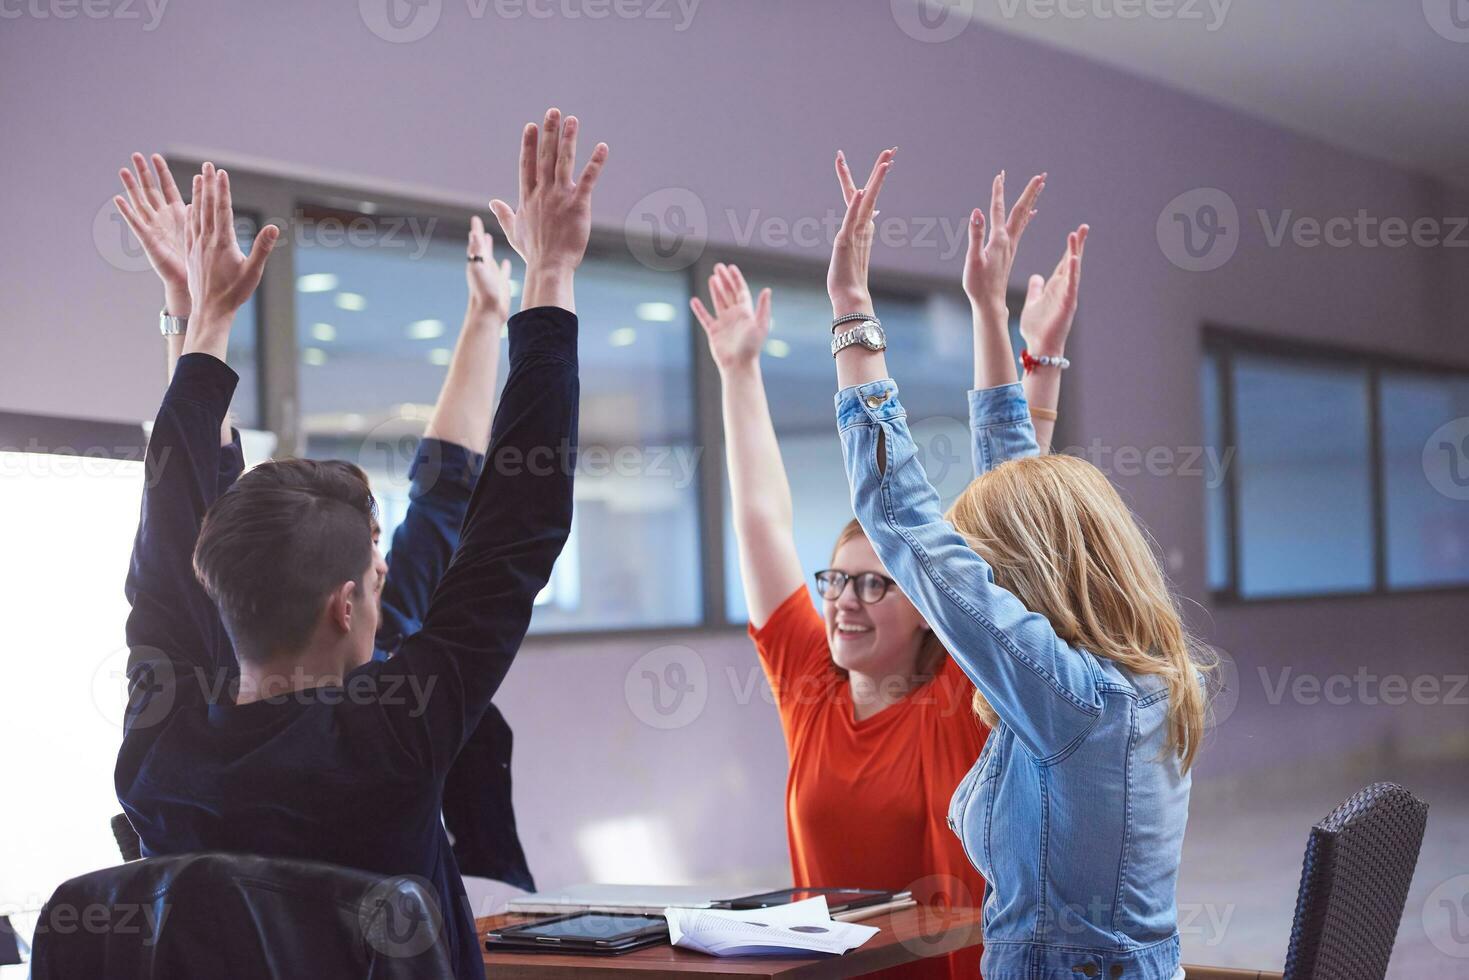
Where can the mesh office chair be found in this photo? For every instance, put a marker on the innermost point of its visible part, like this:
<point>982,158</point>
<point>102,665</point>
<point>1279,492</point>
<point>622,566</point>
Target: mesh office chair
<point>1354,883</point>
<point>240,917</point>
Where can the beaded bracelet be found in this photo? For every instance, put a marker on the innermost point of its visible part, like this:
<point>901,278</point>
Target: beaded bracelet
<point>1030,362</point>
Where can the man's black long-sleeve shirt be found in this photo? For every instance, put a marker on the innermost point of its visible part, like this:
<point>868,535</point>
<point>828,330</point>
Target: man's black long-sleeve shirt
<point>351,775</point>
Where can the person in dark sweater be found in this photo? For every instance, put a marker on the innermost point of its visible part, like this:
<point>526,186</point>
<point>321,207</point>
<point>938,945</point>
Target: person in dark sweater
<point>308,747</point>
<point>478,809</point>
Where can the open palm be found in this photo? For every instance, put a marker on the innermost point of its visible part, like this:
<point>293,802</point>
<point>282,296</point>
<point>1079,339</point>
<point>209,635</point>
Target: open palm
<point>1050,304</point>
<point>738,327</point>
<point>157,215</point>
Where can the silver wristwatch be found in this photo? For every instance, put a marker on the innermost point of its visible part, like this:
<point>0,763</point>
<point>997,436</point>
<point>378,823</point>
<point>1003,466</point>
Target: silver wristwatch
<point>867,332</point>
<point>172,326</point>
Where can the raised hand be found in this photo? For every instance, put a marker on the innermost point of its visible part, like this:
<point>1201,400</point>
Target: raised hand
<point>987,264</point>
<point>489,281</point>
<point>221,277</point>
<point>738,327</point>
<point>1050,304</point>
<point>553,220</point>
<point>846,277</point>
<point>156,213</point>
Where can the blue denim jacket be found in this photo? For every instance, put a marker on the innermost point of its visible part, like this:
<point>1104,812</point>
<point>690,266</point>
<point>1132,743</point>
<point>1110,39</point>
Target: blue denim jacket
<point>1075,810</point>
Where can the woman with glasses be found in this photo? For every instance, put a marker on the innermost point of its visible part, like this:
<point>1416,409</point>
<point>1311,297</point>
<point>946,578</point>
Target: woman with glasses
<point>876,715</point>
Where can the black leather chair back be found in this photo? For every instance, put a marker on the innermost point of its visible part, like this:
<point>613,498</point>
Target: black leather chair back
<point>240,917</point>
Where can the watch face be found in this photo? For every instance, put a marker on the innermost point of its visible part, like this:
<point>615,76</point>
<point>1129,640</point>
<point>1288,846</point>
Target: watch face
<point>872,334</point>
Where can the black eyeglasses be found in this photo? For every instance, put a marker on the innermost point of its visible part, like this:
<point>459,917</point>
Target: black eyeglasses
<point>869,587</point>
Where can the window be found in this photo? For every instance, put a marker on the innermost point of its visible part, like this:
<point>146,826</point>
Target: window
<point>933,367</point>
<point>1425,424</point>
<point>376,325</point>
<point>244,349</point>
<point>1348,472</point>
<point>72,518</point>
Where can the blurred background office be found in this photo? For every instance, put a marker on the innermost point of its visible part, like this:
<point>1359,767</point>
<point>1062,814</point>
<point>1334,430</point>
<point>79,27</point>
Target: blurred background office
<point>1271,360</point>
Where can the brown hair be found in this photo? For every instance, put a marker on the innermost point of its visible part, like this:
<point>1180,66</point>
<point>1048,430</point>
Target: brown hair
<point>272,548</point>
<point>931,652</point>
<point>1058,537</point>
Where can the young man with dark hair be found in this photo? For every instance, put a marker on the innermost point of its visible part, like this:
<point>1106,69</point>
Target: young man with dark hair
<point>478,809</point>
<point>323,752</point>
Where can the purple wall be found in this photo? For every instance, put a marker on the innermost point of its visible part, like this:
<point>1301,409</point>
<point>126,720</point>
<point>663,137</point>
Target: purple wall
<point>745,107</point>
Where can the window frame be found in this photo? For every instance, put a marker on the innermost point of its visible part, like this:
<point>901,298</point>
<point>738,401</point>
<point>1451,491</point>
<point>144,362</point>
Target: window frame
<point>1223,343</point>
<point>284,197</point>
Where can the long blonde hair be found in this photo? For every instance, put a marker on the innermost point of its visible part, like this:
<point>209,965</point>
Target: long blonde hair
<point>1061,540</point>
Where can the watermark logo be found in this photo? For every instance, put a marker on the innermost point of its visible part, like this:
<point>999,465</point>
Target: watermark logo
<point>150,12</point>
<point>400,21</point>
<point>943,450</point>
<point>134,687</point>
<point>945,906</point>
<point>932,21</point>
<point>399,920</point>
<point>115,241</point>
<point>1446,459</point>
<point>667,688</point>
<point>668,229</point>
<point>1445,917</point>
<point>1448,18</point>
<point>1198,230</point>
<point>1210,13</point>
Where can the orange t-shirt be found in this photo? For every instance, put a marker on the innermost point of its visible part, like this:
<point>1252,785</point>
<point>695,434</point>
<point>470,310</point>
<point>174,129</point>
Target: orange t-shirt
<point>867,801</point>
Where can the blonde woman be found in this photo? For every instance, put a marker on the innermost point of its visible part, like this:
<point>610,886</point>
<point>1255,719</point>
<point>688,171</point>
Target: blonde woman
<point>1045,591</point>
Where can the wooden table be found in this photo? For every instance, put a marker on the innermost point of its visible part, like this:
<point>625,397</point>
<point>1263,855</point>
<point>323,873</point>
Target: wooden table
<point>904,936</point>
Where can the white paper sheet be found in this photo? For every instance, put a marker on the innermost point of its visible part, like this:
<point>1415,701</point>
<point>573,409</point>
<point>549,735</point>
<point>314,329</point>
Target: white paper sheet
<point>781,930</point>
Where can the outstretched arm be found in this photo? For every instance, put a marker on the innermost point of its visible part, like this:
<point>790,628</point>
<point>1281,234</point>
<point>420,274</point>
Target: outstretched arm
<point>1045,323</point>
<point>520,512</point>
<point>169,612</point>
<point>448,459</point>
<point>759,491</point>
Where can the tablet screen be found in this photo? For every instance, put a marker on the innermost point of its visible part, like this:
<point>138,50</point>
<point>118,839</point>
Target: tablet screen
<point>593,926</point>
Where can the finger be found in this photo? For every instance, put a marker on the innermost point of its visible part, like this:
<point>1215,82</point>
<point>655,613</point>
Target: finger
<point>738,278</point>
<point>997,203</point>
<point>505,272</point>
<point>206,213</point>
<point>528,141</point>
<point>505,216</point>
<point>196,206</point>
<point>136,197</point>
<point>849,220</point>
<point>476,235</point>
<point>128,214</point>
<point>1065,258</point>
<point>976,230</point>
<point>762,307</point>
<point>1024,208</point>
<point>566,151</point>
<point>701,314</point>
<point>875,180</point>
<point>225,208</point>
<point>1073,281</point>
<point>718,292</point>
<point>1033,289</point>
<point>1081,234</point>
<point>165,180</point>
<point>150,187</point>
<point>844,177</point>
<point>259,252</point>
<point>731,285</point>
<point>592,170</point>
<point>546,152</point>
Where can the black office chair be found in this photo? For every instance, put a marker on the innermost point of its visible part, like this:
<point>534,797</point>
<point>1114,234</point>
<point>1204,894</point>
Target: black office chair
<point>240,917</point>
<point>128,843</point>
<point>1354,883</point>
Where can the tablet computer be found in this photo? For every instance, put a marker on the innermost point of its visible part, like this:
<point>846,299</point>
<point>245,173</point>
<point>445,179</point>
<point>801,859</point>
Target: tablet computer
<point>837,899</point>
<point>582,932</point>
